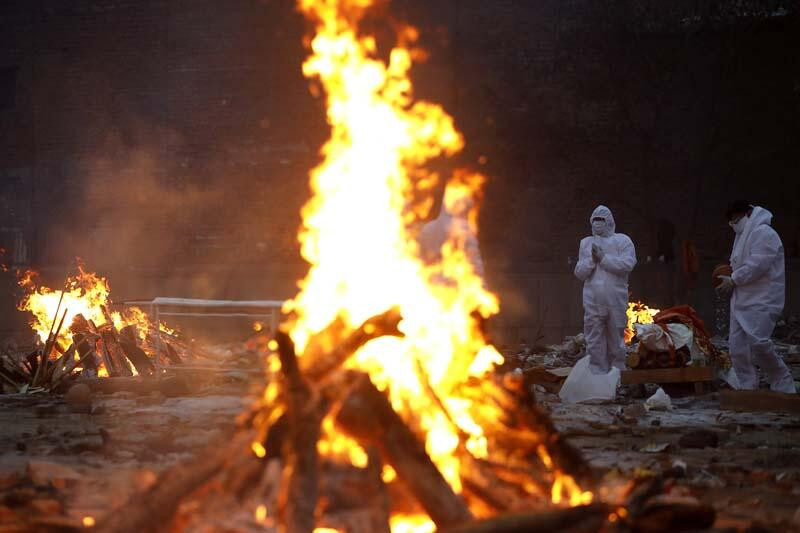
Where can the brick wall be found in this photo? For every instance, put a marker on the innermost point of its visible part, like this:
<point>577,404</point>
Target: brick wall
<point>167,142</point>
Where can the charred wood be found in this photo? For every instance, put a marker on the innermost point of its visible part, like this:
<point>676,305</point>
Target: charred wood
<point>136,355</point>
<point>172,354</point>
<point>298,502</point>
<point>367,416</point>
<point>319,360</point>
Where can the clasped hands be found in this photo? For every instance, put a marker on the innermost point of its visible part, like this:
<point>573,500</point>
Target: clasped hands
<point>597,253</point>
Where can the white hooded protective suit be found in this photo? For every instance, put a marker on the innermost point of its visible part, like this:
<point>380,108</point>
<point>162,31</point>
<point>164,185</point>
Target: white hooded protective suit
<point>447,226</point>
<point>605,292</point>
<point>759,278</point>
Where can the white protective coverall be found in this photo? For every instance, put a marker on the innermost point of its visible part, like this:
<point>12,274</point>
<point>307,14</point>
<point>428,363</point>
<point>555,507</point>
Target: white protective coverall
<point>759,277</point>
<point>451,223</point>
<point>605,292</point>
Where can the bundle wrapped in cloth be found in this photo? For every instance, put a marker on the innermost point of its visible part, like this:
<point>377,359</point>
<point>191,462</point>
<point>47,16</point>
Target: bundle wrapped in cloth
<point>677,337</point>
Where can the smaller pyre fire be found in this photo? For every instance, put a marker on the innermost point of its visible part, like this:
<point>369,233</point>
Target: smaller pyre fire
<point>81,336</point>
<point>638,313</point>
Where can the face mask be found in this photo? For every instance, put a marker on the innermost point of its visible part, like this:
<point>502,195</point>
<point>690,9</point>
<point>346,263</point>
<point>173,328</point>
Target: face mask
<point>739,226</point>
<point>599,226</point>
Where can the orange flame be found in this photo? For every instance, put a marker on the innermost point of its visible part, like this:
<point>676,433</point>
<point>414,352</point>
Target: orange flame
<point>358,236</point>
<point>638,313</point>
<point>85,294</point>
<point>411,524</point>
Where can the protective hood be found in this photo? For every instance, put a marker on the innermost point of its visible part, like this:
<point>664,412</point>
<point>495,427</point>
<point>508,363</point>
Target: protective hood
<point>611,226</point>
<point>758,217</point>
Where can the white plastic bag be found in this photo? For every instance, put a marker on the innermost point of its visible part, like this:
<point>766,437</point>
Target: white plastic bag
<point>660,401</point>
<point>583,386</point>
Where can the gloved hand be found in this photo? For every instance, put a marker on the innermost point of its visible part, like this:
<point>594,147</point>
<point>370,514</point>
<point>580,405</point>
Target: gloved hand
<point>726,285</point>
<point>597,253</point>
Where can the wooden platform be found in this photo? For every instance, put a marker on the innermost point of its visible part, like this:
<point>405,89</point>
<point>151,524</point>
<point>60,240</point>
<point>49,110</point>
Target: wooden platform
<point>688,374</point>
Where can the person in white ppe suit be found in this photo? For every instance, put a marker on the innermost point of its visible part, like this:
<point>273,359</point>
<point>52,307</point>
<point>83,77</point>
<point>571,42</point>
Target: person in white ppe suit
<point>758,288</point>
<point>605,261</point>
<point>452,224</point>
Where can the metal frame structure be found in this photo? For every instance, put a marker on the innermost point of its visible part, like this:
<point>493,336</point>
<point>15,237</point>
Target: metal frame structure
<point>269,309</point>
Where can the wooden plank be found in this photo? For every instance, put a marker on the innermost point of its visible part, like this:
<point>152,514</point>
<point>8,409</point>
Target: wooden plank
<point>759,400</point>
<point>686,374</point>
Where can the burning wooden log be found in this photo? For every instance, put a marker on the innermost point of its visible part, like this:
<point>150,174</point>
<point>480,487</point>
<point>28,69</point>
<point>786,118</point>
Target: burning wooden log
<point>172,354</point>
<point>355,499</point>
<point>300,472</point>
<point>318,361</point>
<point>367,416</point>
<point>85,346</point>
<point>524,431</point>
<point>114,354</point>
<point>365,413</point>
<point>128,342</point>
<point>481,481</point>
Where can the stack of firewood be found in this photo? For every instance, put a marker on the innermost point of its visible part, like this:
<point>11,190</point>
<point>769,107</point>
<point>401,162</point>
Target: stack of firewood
<point>314,386</point>
<point>51,367</point>
<point>645,359</point>
<point>299,490</point>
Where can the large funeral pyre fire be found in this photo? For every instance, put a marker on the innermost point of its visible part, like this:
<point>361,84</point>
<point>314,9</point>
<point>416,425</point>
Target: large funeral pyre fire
<point>357,236</point>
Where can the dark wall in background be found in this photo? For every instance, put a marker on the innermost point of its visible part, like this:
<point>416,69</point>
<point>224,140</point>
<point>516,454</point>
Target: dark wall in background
<point>167,142</point>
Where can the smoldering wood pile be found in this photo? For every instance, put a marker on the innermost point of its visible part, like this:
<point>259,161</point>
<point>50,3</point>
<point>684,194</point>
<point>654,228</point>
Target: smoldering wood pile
<point>292,488</point>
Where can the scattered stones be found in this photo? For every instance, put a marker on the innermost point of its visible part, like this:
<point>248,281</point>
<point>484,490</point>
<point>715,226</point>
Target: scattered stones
<point>79,398</point>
